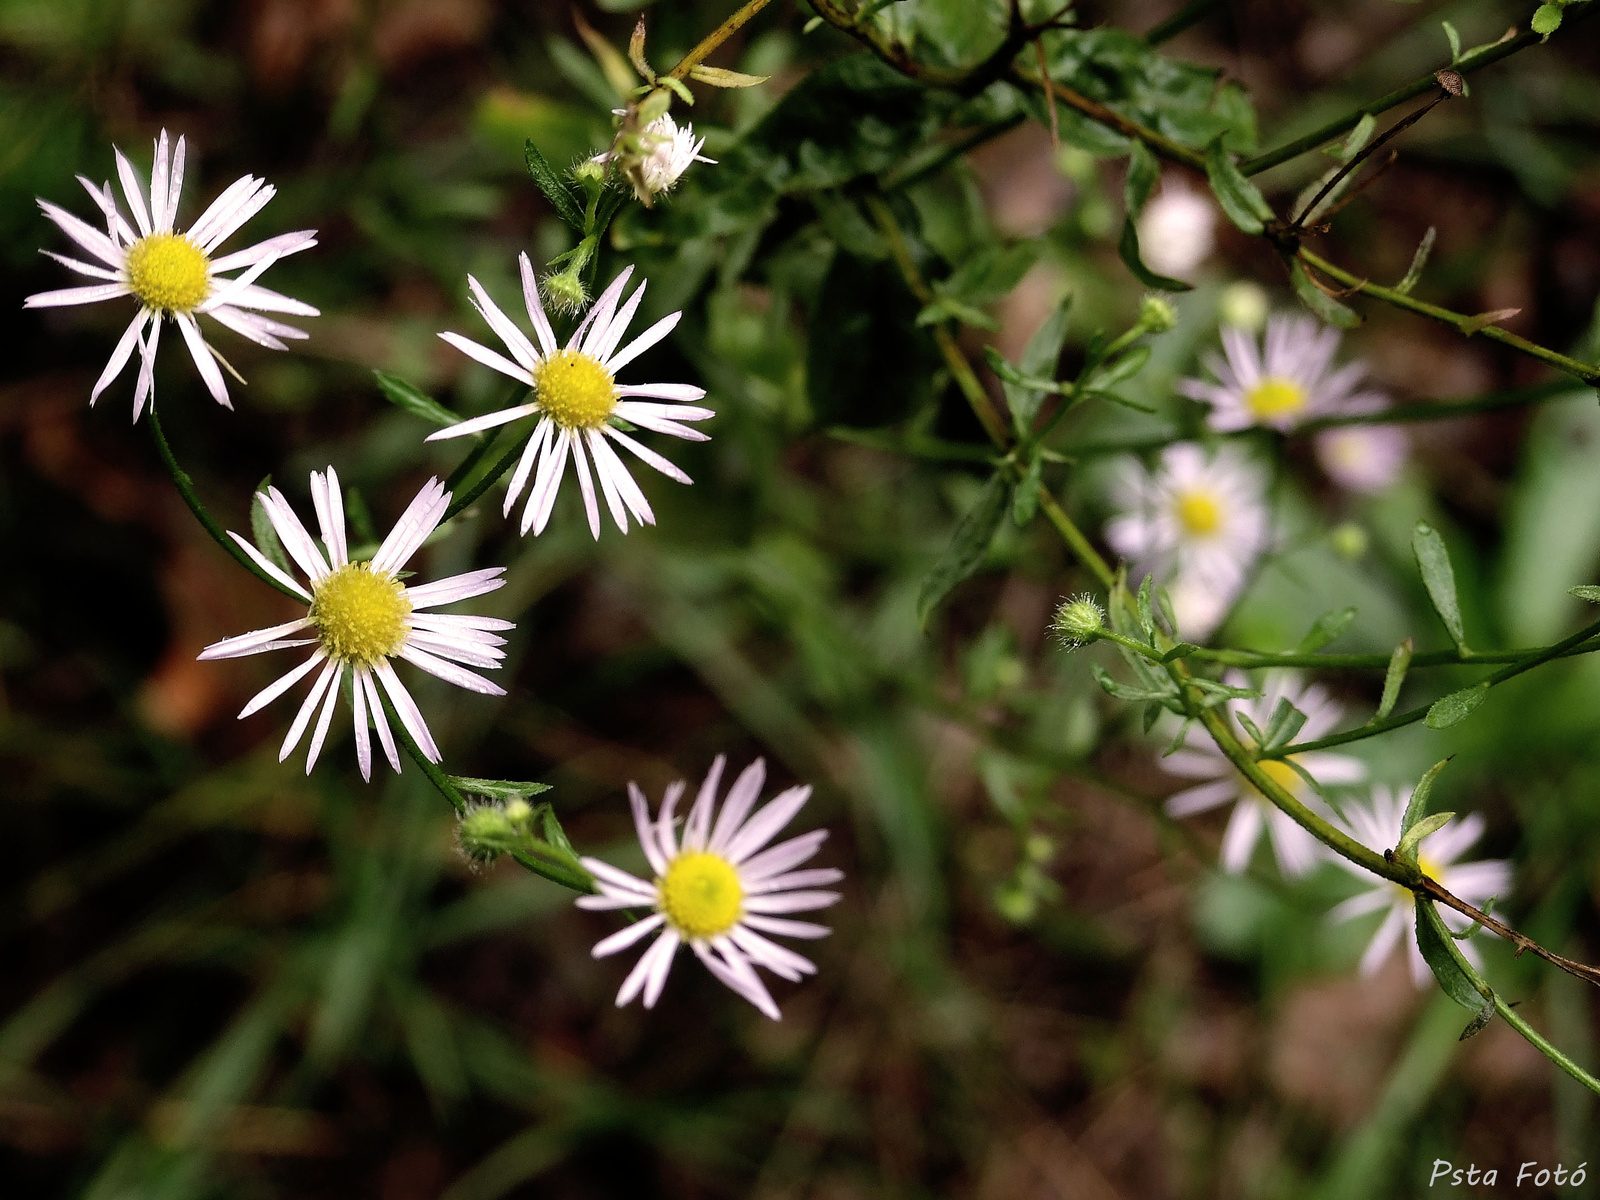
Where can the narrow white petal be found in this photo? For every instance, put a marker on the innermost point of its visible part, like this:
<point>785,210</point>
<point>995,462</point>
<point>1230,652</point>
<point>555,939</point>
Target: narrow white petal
<point>815,877</point>
<point>618,879</point>
<point>790,902</point>
<point>612,467</point>
<point>488,358</point>
<point>158,185</point>
<point>358,699</point>
<point>659,968</point>
<point>505,328</point>
<point>665,944</point>
<point>741,797</point>
<point>460,587</point>
<point>530,454</point>
<point>455,649</point>
<point>780,960</point>
<point>643,342</point>
<point>736,971</point>
<point>323,722</point>
<point>83,268</point>
<point>86,235</point>
<point>226,203</point>
<point>330,672</point>
<point>478,424</point>
<point>530,297</point>
<point>281,246</point>
<point>777,925</point>
<point>448,671</point>
<point>120,356</point>
<point>599,314</point>
<point>419,520</point>
<point>659,425</point>
<point>406,709</point>
<point>648,456</point>
<point>685,392</point>
<point>608,902</point>
<point>666,835</point>
<point>174,187</point>
<point>273,690</point>
<point>64,297</point>
<point>608,485</point>
<point>607,343</point>
<point>296,540</point>
<point>203,360</point>
<point>227,226</point>
<point>626,937</point>
<point>240,322</point>
<point>547,483</point>
<point>766,823</point>
<point>117,226</point>
<point>580,464</point>
<point>266,300</point>
<point>246,643</point>
<point>133,190</point>
<point>782,857</point>
<point>641,825</point>
<point>380,719</point>
<point>146,386</point>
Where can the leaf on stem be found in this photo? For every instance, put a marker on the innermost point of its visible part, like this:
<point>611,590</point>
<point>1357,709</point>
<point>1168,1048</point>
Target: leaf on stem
<point>1440,953</point>
<point>1025,500</point>
<point>1325,629</point>
<point>969,546</point>
<point>1587,592</point>
<point>1419,260</point>
<point>1246,207</point>
<point>1318,300</point>
<point>554,189</point>
<point>1453,709</point>
<point>1399,664</point>
<point>721,78</point>
<point>418,404</point>
<point>1418,803</point>
<point>1480,322</point>
<point>1406,851</point>
<point>261,530</point>
<point>498,789</point>
<point>1439,577</point>
<point>1128,250</point>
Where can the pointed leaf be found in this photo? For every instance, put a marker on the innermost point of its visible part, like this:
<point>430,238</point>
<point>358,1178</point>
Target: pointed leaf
<point>264,535</point>
<point>1128,250</point>
<point>418,404</point>
<point>1325,629</point>
<point>1439,577</point>
<point>498,789</point>
<point>1240,199</point>
<point>1399,664</point>
<point>1406,851</point>
<point>969,546</point>
<point>1318,301</point>
<point>560,196</point>
<point>1452,709</point>
<point>1418,804</point>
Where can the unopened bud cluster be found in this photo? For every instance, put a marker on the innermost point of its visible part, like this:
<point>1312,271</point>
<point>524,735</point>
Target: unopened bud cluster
<point>488,830</point>
<point>1078,621</point>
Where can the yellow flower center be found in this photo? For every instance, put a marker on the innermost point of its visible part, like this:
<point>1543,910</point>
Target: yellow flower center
<point>1199,513</point>
<point>1282,774</point>
<point>1275,398</point>
<point>701,894</point>
<point>360,614</point>
<point>168,272</point>
<point>575,390</point>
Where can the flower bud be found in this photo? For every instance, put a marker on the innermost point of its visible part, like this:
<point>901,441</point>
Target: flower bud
<point>565,291</point>
<point>1157,315</point>
<point>484,832</point>
<point>518,811</point>
<point>1078,621</point>
<point>1244,306</point>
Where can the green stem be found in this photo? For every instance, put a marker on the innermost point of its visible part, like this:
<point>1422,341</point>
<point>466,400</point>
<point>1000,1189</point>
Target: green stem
<point>556,874</point>
<point>1463,323</point>
<point>1470,62</point>
<point>185,486</point>
<point>1252,660</point>
<point>1537,1040</point>
<point>1439,410</point>
<point>438,778</point>
<point>1558,650</point>
<point>715,38</point>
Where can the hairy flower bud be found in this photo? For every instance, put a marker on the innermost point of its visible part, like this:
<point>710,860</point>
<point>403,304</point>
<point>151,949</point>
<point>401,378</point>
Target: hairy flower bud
<point>565,291</point>
<point>1157,315</point>
<point>1078,621</point>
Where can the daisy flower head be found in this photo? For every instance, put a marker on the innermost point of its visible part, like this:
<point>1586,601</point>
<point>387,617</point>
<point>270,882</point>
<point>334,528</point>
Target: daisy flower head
<point>665,151</point>
<point>1177,229</point>
<point>1289,378</point>
<point>1221,783</point>
<point>719,889</point>
<point>174,275</point>
<point>1198,522</point>
<point>1377,826</point>
<point>1363,458</point>
<point>577,400</point>
<point>361,616</point>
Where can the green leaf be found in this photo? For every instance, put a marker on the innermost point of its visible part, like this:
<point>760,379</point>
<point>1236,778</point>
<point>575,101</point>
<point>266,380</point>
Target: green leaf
<point>1439,577</point>
<point>1181,650</point>
<point>1586,591</point>
<point>1399,664</point>
<point>498,789</point>
<point>1453,709</point>
<point>1419,260</point>
<point>1318,301</point>
<point>720,78</point>
<point>1286,722</point>
<point>1147,616</point>
<point>1124,691</point>
<point>1418,804</point>
<point>1546,19</point>
<point>1126,366</point>
<point>989,274</point>
<point>1479,1022</point>
<point>969,546</point>
<point>1454,39</point>
<point>1143,172</point>
<point>266,537</point>
<point>1325,629</point>
<point>560,196</point>
<point>1406,851</point>
<point>1240,199</point>
<point>418,404</point>
<point>1025,500</point>
<point>1440,953</point>
<point>1128,249</point>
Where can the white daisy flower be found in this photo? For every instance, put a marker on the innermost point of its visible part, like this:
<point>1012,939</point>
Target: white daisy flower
<point>362,616</point>
<point>1197,522</point>
<point>1288,379</point>
<point>668,151</point>
<point>718,890</point>
<point>1177,230</point>
<point>1363,458</point>
<point>576,397</point>
<point>173,275</point>
<point>1295,849</point>
<point>1377,826</point>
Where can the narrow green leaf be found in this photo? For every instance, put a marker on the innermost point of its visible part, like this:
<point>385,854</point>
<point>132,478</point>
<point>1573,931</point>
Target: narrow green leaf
<point>1479,1022</point>
<point>1240,199</point>
<point>1147,617</point>
<point>1325,629</point>
<point>721,78</point>
<point>266,537</point>
<point>1318,301</point>
<point>1439,951</point>
<point>418,404</point>
<point>1406,851</point>
<point>1025,500</point>
<point>1126,366</point>
<point>498,789</point>
<point>969,546</point>
<point>1399,664</point>
<point>1454,39</point>
<point>554,189</point>
<point>1181,650</point>
<point>1143,171</point>
<point>1286,723</point>
<point>1128,250</point>
<point>1418,803</point>
<point>1439,577</point>
<point>1419,260</point>
<point>1587,592</point>
<point>1453,709</point>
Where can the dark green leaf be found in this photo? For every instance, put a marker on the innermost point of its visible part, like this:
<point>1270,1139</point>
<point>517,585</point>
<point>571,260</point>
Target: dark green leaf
<point>1587,592</point>
<point>1240,199</point>
<point>969,546</point>
<point>1452,709</point>
<point>498,789</point>
<point>1399,664</point>
<point>554,189</point>
<point>1479,1021</point>
<point>404,395</point>
<point>1439,577</point>
<point>1442,957</point>
<point>1128,249</point>
<point>1318,301</point>
<point>1143,172</point>
<point>1326,628</point>
<point>1025,500</point>
<point>1418,804</point>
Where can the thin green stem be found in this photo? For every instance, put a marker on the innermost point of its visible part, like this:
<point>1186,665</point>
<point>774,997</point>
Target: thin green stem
<point>438,778</point>
<point>1470,62</point>
<point>715,38</point>
<point>1463,323</point>
<point>1439,410</point>
<point>185,486</point>
<point>1537,1040</point>
<point>1252,660</point>
<point>556,874</point>
<point>1559,650</point>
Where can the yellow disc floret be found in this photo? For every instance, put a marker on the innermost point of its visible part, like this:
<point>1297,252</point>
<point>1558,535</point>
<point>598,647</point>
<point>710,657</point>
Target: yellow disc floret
<point>168,272</point>
<point>575,390</point>
<point>1275,398</point>
<point>1282,774</point>
<point>1198,512</point>
<point>701,894</point>
<point>360,614</point>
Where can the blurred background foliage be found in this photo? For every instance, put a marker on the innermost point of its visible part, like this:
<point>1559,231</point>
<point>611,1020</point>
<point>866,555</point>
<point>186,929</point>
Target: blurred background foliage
<point>227,980</point>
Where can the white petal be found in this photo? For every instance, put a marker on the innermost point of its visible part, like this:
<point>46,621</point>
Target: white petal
<point>358,697</point>
<point>541,502</point>
<point>297,730</point>
<point>406,709</point>
<point>626,937</point>
<point>790,902</point>
<point>146,387</point>
<point>619,325</point>
<point>123,352</point>
<point>460,587</point>
<point>296,541</point>
<point>83,268</point>
<point>226,203</point>
<point>174,186</point>
<point>642,826</point>
<point>608,484</point>
<point>272,691</point>
<point>248,643</point>
<point>489,358</point>
<point>281,246</point>
<point>379,718</point>
<point>241,323</point>
<point>203,360</point>
<point>613,468</point>
<point>266,300</point>
<point>741,797</point>
<point>505,328</point>
<point>86,235</point>
<point>733,970</point>
<point>815,877</point>
<point>419,520</point>
<point>644,341</point>
<point>64,297</point>
<point>599,314</point>
<point>782,857</point>
<point>323,721</point>
<point>685,392</point>
<point>664,945</point>
<point>530,454</point>
<point>158,185</point>
<point>780,960</point>
<point>766,823</point>
<point>783,928</point>
<point>650,457</point>
<point>617,879</point>
<point>580,463</point>
<point>134,191</point>
<point>530,297</point>
<point>659,968</point>
<point>478,424</point>
<point>228,225</point>
<point>448,671</point>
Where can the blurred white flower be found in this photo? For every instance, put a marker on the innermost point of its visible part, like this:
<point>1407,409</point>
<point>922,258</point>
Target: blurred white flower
<point>1287,380</point>
<point>172,275</point>
<point>1197,523</point>
<point>577,398</point>
<point>1363,458</point>
<point>717,891</point>
<point>362,616</point>
<point>1245,305</point>
<point>1177,230</point>
<point>1199,758</point>
<point>1377,826</point>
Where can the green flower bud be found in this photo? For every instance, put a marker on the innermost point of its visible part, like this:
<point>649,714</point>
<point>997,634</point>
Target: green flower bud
<point>1078,621</point>
<point>565,291</point>
<point>518,811</point>
<point>484,832</point>
<point>1350,541</point>
<point>1244,306</point>
<point>1157,315</point>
